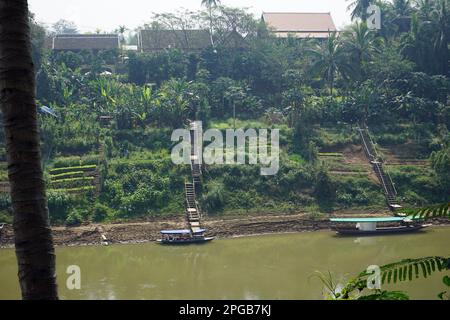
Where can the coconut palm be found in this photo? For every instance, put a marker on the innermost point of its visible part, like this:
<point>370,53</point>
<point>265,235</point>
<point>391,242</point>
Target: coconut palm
<point>425,8</point>
<point>411,45</point>
<point>121,30</point>
<point>359,8</point>
<point>361,43</point>
<point>427,42</point>
<point>442,36</point>
<point>330,60</point>
<point>32,233</point>
<point>402,8</point>
<point>210,4</point>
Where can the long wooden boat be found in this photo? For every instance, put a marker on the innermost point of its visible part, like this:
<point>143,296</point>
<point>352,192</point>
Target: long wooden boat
<point>369,226</point>
<point>181,237</point>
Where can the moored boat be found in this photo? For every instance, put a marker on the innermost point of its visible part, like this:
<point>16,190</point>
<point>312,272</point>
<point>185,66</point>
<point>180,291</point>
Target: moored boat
<point>178,237</point>
<point>370,227</point>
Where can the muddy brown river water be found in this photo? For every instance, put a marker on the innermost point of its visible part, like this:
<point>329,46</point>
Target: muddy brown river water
<point>258,267</point>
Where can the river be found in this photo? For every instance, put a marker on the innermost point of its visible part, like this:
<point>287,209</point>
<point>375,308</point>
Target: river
<point>258,267</point>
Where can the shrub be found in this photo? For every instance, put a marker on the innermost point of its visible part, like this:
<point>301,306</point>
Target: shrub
<point>6,217</point>
<point>5,202</point>
<point>59,203</point>
<point>77,216</point>
<point>100,212</point>
<point>213,200</point>
<point>325,190</point>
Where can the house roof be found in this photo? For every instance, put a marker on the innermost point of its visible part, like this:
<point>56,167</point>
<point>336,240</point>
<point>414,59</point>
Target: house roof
<point>234,40</point>
<point>300,24</point>
<point>85,42</point>
<point>157,40</point>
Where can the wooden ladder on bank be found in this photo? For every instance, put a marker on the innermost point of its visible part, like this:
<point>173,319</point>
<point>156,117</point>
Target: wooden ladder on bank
<point>193,213</point>
<point>376,162</point>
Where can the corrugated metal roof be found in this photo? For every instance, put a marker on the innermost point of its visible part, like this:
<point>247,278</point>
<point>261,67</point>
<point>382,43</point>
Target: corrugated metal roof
<point>309,23</point>
<point>86,42</point>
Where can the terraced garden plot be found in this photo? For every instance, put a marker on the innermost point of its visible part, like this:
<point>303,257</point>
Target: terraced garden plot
<point>337,164</point>
<point>406,154</point>
<point>76,179</point>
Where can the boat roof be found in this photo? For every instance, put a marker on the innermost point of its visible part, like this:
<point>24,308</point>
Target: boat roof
<point>184,231</point>
<point>377,219</point>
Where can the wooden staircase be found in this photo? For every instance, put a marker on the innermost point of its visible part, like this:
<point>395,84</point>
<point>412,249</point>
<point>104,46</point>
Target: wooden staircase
<point>196,169</point>
<point>193,213</point>
<point>387,184</point>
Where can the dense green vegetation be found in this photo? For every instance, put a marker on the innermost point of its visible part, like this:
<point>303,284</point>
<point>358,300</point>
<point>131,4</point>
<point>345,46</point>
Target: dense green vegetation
<point>314,91</point>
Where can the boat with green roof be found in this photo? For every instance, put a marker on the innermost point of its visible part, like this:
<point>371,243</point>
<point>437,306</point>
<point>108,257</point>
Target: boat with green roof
<point>376,225</point>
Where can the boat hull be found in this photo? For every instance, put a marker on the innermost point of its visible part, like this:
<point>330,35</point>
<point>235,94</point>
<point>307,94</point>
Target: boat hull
<point>379,231</point>
<point>185,242</point>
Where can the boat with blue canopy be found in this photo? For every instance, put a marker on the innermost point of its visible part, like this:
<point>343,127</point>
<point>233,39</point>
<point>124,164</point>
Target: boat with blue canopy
<point>184,236</point>
<point>371,226</point>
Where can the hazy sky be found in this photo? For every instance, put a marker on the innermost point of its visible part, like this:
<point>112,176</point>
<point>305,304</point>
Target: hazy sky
<point>107,15</point>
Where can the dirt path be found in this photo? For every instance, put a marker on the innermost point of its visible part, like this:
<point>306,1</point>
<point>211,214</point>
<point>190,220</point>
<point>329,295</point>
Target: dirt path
<point>138,232</point>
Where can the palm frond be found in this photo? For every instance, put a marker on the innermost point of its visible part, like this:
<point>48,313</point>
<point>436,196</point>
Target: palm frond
<point>437,211</point>
<point>404,270</point>
<point>386,295</point>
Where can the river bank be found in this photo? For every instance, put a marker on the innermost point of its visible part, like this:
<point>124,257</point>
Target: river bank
<point>148,231</point>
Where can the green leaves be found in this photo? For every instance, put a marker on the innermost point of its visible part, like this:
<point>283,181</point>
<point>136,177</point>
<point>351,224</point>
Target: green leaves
<point>386,295</point>
<point>438,211</point>
<point>404,270</point>
<point>445,294</point>
<point>446,281</point>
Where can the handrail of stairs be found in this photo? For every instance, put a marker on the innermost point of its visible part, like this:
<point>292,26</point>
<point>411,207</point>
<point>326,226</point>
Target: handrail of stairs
<point>381,177</point>
<point>378,157</point>
<point>369,154</point>
<point>392,183</point>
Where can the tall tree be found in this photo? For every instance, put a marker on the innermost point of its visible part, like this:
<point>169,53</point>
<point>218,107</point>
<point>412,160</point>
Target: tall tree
<point>121,30</point>
<point>402,8</point>
<point>360,42</point>
<point>425,8</point>
<point>427,42</point>
<point>329,60</point>
<point>442,36</point>
<point>33,238</point>
<point>38,34</point>
<point>210,4</point>
<point>359,8</point>
<point>65,27</point>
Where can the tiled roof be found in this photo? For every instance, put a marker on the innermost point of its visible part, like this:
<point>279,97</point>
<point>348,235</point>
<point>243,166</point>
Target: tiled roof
<point>304,25</point>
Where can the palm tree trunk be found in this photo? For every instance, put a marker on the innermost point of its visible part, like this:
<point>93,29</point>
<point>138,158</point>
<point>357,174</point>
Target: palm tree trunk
<point>331,85</point>
<point>211,25</point>
<point>33,238</point>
